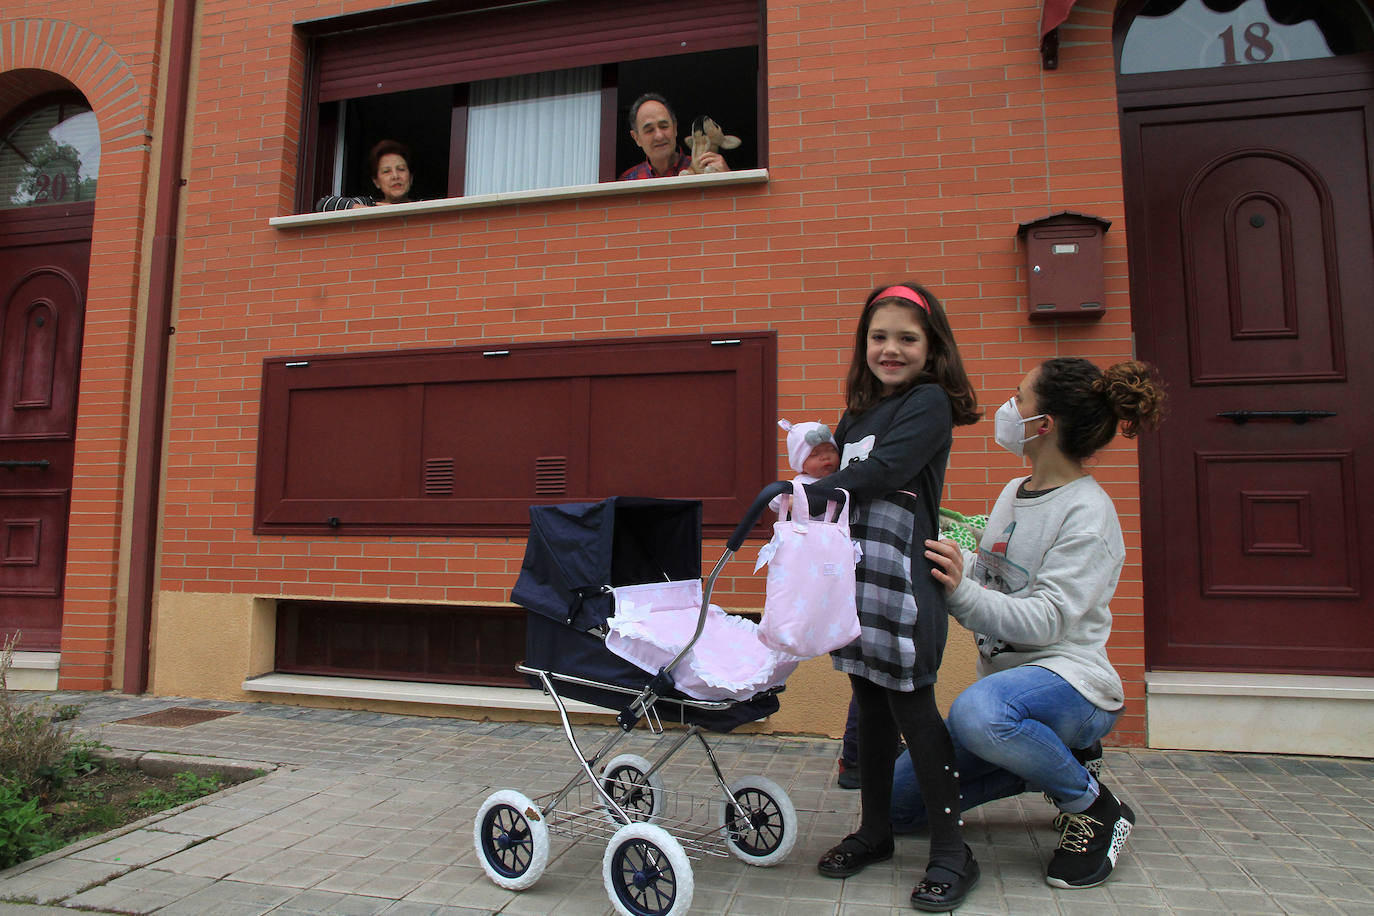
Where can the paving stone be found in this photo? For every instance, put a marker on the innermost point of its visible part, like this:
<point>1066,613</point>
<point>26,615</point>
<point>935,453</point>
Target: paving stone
<point>136,848</point>
<point>229,898</point>
<point>122,901</point>
<point>314,902</point>
<point>372,813</point>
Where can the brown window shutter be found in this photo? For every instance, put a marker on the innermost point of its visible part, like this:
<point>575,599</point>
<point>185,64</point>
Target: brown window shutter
<point>462,441</point>
<point>492,43</point>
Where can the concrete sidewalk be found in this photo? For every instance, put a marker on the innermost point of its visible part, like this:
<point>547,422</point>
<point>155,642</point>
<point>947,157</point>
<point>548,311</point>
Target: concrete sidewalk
<point>366,813</point>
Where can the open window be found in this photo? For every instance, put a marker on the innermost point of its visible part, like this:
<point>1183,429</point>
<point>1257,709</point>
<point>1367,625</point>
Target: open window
<point>520,97</point>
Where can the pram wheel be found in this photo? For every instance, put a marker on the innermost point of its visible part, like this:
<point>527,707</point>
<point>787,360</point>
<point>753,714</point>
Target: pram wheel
<point>646,872</point>
<point>767,832</point>
<point>641,797</point>
<point>512,840</point>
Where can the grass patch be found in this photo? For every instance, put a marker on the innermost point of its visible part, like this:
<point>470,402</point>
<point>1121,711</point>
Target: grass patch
<point>56,789</point>
<point>115,795</point>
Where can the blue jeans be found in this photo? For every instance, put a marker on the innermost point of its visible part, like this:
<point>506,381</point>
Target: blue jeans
<point>1012,732</point>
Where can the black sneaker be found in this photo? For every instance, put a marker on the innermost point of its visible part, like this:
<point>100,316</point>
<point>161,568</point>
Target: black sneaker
<point>1091,843</point>
<point>1090,757</point>
<point>849,776</point>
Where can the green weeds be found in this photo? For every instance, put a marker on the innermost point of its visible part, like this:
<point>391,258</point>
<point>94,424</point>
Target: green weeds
<point>56,789</point>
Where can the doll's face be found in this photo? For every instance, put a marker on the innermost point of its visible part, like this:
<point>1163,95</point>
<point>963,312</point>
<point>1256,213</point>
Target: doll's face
<point>823,461</point>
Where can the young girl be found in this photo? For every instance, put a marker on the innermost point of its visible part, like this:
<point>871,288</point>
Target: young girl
<point>1036,593</point>
<point>906,390</point>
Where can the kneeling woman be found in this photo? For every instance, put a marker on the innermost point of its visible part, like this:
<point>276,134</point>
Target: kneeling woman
<point>1036,594</point>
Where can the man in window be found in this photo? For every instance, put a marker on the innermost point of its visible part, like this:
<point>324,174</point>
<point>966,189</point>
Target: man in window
<point>653,127</point>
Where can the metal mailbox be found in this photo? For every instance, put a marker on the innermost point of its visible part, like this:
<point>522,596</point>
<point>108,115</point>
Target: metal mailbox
<point>1064,265</point>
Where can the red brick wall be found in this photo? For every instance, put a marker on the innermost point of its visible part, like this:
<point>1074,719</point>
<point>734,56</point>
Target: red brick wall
<point>109,55</point>
<point>905,141</point>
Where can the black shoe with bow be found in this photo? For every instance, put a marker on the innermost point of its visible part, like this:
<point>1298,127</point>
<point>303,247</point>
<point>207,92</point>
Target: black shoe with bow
<point>852,855</point>
<point>943,889</point>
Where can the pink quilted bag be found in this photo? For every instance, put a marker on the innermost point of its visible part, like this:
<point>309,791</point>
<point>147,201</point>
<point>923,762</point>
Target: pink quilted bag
<point>808,608</point>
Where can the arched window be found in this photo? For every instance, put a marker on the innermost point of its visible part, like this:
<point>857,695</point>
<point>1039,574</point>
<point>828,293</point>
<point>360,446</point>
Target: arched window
<point>1199,34</point>
<point>50,156</point>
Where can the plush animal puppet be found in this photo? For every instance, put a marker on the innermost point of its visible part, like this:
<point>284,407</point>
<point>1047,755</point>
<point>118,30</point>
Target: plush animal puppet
<point>707,137</point>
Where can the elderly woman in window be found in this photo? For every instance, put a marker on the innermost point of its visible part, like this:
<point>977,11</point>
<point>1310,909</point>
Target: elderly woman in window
<point>390,164</point>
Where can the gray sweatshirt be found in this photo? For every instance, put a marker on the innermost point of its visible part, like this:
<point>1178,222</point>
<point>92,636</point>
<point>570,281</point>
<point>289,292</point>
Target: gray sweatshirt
<point>1037,590</point>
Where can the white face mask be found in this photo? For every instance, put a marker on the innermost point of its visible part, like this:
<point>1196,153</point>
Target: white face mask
<point>1009,424</point>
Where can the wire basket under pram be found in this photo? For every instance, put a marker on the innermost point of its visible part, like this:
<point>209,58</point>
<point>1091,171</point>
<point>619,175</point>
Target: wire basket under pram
<point>581,562</point>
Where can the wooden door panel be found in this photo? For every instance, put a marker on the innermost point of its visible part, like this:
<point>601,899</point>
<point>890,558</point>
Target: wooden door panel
<point>1276,524</point>
<point>1252,267</point>
<point>40,346</point>
<point>364,424</point>
<point>543,453</point>
<point>42,315</point>
<point>32,541</point>
<point>634,419</point>
<point>1259,248</point>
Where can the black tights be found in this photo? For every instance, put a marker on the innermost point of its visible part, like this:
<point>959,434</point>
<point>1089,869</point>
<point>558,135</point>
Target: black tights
<point>883,714</point>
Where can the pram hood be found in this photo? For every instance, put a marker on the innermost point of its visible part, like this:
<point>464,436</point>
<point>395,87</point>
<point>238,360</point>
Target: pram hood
<point>577,552</point>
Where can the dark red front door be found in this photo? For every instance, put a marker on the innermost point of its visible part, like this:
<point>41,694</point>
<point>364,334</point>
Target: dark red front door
<point>42,314</point>
<point>1253,281</point>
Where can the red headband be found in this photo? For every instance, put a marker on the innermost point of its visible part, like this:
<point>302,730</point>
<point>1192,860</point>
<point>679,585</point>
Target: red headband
<point>905,292</point>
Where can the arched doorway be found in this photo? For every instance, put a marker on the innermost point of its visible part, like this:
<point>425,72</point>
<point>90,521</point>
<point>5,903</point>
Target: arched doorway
<point>49,166</point>
<point>1247,131</point>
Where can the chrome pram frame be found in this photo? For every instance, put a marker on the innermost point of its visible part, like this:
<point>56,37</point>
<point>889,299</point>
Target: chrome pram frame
<point>627,793</point>
<point>622,800</point>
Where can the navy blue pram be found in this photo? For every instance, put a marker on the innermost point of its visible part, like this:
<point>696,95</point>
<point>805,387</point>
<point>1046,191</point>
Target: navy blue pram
<point>587,570</point>
<point>575,555</point>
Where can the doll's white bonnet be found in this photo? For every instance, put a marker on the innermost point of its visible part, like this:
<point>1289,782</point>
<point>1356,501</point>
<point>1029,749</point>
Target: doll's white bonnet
<point>802,438</point>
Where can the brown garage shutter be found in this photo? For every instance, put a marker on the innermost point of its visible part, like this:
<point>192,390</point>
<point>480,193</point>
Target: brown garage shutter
<point>486,44</point>
<point>462,441</point>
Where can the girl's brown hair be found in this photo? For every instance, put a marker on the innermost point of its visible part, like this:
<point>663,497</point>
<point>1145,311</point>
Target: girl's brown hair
<point>944,366</point>
<point>1089,404</point>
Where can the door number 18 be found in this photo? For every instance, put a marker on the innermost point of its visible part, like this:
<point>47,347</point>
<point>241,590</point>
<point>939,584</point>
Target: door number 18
<point>1258,47</point>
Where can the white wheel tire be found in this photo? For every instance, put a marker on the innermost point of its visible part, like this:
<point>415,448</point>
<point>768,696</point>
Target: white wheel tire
<point>653,786</point>
<point>782,825</point>
<point>501,811</point>
<point>669,850</point>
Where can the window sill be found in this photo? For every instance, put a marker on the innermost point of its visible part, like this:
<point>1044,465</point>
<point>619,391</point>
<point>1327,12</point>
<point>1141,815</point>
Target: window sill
<point>576,192</point>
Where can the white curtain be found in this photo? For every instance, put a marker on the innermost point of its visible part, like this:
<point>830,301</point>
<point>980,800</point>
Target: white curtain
<point>541,130</point>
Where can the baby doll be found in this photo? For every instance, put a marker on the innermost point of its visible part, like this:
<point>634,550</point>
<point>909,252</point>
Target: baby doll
<point>811,452</point>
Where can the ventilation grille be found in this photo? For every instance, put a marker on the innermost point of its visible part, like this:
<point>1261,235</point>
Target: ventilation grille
<point>550,476</point>
<point>439,477</point>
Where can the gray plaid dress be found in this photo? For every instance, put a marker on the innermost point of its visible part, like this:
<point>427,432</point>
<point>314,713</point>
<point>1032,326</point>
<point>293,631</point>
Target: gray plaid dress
<point>895,490</point>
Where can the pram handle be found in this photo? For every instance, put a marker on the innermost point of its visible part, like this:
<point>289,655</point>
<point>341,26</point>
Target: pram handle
<point>818,497</point>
